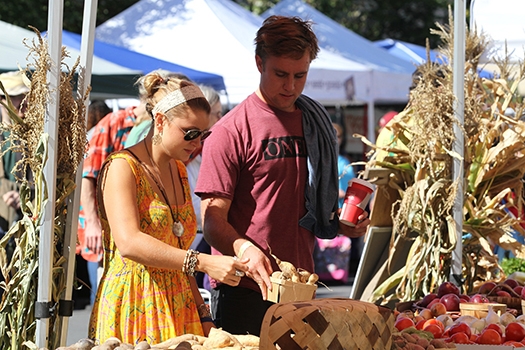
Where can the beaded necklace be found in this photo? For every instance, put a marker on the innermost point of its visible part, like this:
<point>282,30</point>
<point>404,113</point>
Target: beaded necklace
<point>177,227</point>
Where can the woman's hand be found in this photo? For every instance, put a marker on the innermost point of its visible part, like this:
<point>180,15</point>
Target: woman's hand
<point>225,269</point>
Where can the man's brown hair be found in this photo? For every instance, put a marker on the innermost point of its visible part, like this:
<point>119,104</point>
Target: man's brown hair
<point>286,36</point>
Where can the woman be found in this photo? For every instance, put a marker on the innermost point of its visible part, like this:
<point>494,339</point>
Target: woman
<point>147,291</point>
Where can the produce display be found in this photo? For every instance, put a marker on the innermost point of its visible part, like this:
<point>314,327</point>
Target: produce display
<point>217,339</point>
<point>437,321</point>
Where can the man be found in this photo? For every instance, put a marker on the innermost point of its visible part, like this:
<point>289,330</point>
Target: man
<point>268,178</point>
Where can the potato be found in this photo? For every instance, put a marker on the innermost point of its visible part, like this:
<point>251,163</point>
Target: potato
<point>143,345</point>
<point>84,344</point>
<point>175,341</point>
<point>183,346</point>
<point>248,339</point>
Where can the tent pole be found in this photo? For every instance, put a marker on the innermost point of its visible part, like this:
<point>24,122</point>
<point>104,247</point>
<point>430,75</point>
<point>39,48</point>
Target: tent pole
<point>458,69</point>
<point>86,63</point>
<point>43,306</point>
<point>371,121</point>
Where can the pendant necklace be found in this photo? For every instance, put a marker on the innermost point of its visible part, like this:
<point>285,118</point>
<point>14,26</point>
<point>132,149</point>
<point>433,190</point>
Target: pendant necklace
<point>177,227</point>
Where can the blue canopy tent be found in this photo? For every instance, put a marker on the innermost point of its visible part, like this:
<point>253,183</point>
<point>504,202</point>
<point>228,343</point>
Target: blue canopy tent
<point>417,54</point>
<point>137,61</point>
<point>407,51</point>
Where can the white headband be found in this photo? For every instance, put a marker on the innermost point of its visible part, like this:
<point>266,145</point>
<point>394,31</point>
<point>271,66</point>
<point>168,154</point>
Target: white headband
<point>177,97</point>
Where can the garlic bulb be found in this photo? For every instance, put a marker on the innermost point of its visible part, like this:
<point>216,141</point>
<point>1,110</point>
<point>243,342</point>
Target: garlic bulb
<point>477,326</point>
<point>520,319</point>
<point>492,317</point>
<point>468,319</point>
<point>507,318</point>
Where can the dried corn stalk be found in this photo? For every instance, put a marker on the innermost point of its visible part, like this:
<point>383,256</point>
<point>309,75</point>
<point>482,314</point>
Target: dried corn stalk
<point>27,136</point>
<point>494,165</point>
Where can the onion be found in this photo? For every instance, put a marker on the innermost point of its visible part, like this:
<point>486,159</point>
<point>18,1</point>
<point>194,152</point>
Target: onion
<point>445,319</point>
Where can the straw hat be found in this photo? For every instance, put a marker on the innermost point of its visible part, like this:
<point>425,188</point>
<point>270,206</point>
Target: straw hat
<point>14,83</point>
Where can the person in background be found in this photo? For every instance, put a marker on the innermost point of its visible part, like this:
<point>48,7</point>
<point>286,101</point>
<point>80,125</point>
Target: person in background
<point>345,170</point>
<point>193,166</point>
<point>109,135</point>
<point>147,291</point>
<point>332,257</point>
<point>87,270</point>
<point>97,110</point>
<point>256,196</point>
<point>10,212</point>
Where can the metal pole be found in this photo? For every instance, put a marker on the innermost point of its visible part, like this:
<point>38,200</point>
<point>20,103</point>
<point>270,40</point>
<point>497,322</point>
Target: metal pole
<point>86,63</point>
<point>458,72</point>
<point>45,256</point>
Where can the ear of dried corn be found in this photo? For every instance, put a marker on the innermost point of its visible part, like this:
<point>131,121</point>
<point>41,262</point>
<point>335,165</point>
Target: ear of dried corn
<point>494,166</point>
<point>27,136</point>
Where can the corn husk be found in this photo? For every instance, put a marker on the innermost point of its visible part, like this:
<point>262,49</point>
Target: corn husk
<point>27,136</point>
<point>494,165</point>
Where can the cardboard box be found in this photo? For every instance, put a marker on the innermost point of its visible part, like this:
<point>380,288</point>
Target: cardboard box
<point>483,347</point>
<point>286,291</point>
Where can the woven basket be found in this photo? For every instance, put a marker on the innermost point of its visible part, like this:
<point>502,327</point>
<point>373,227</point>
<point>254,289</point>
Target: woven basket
<point>481,310</point>
<point>512,302</point>
<point>327,324</point>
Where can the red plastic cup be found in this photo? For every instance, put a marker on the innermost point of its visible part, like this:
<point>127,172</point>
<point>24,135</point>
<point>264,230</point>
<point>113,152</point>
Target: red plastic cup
<point>357,196</point>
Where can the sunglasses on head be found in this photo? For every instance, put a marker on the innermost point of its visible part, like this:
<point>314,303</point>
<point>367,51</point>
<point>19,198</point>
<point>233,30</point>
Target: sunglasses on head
<point>192,134</point>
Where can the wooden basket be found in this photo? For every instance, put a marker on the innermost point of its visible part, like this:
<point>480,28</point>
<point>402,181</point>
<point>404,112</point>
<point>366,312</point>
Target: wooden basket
<point>287,291</point>
<point>327,323</point>
<point>512,302</point>
<point>480,310</point>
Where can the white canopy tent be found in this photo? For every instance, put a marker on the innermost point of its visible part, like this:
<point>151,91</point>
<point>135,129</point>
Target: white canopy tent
<point>502,21</point>
<point>109,76</point>
<point>217,36</point>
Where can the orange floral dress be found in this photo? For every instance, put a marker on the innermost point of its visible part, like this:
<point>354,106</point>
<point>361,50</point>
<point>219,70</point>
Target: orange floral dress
<point>135,302</point>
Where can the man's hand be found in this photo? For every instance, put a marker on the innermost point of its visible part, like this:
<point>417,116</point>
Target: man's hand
<point>259,269</point>
<point>93,234</point>
<point>358,230</point>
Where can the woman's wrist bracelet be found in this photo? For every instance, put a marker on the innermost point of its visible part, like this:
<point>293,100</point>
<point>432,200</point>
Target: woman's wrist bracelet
<point>243,248</point>
<point>190,262</point>
<point>207,319</point>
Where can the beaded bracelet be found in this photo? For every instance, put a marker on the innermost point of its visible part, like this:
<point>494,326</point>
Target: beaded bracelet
<point>190,262</point>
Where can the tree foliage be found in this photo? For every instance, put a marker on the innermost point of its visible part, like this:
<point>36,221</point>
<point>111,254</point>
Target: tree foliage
<point>34,12</point>
<point>407,20</point>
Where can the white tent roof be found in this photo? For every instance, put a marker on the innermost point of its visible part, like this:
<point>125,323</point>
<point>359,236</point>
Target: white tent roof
<point>502,21</point>
<point>217,36</point>
<point>14,52</point>
<point>15,55</point>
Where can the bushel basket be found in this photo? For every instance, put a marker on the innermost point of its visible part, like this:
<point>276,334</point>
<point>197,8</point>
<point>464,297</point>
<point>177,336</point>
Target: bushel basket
<point>327,324</point>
